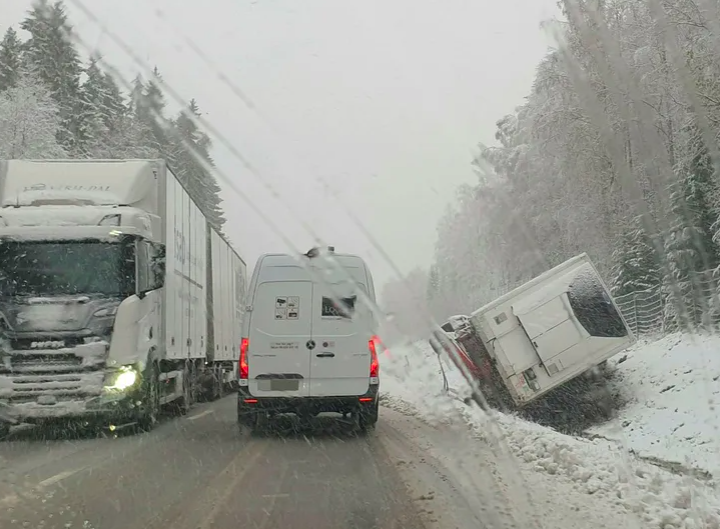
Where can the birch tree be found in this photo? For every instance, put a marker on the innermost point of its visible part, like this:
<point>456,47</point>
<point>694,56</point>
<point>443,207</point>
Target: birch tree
<point>29,120</point>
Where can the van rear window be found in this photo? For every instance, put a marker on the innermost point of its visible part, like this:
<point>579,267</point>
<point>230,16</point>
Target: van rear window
<point>341,308</point>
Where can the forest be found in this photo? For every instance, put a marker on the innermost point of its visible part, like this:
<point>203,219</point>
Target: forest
<point>613,153</point>
<point>54,103</point>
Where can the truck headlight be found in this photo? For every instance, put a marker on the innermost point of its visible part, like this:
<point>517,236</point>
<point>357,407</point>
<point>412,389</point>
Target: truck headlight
<point>122,379</point>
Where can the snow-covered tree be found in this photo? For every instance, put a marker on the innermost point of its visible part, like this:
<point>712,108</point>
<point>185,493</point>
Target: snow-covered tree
<point>94,119</point>
<point>404,299</point>
<point>622,121</point>
<point>51,54</point>
<point>46,91</point>
<point>189,150</point>
<point>29,120</point>
<point>108,129</point>
<point>10,59</point>
<point>148,103</point>
<point>636,264</point>
<point>689,248</point>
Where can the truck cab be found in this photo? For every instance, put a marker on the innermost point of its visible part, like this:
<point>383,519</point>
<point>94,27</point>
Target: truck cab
<point>81,265</point>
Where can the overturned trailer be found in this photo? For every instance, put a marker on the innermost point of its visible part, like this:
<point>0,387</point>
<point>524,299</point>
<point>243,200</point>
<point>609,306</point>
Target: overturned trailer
<point>542,335</point>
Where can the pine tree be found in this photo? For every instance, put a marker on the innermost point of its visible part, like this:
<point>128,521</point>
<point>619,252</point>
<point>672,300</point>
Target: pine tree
<point>433,285</point>
<point>135,103</point>
<point>10,59</point>
<point>42,94</point>
<point>51,54</point>
<point>149,105</point>
<point>191,147</point>
<point>689,247</point>
<point>153,93</point>
<point>112,101</point>
<point>128,136</point>
<point>93,130</point>
<point>636,265</point>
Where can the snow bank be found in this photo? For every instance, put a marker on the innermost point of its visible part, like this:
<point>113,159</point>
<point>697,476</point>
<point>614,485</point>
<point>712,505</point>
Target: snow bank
<point>672,387</point>
<point>598,468</point>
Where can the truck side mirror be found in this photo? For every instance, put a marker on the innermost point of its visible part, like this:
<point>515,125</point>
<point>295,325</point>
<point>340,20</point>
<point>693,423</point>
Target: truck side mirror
<point>158,266</point>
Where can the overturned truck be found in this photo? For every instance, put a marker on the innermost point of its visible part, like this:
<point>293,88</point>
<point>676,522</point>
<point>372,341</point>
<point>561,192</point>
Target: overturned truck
<point>549,334</point>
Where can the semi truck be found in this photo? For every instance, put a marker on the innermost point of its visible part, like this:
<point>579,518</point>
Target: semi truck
<point>546,334</point>
<point>118,299</point>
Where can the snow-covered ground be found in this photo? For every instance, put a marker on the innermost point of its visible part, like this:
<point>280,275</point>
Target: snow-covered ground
<point>672,389</point>
<point>601,473</point>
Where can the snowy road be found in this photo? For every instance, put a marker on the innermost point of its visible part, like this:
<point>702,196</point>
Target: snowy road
<point>198,472</point>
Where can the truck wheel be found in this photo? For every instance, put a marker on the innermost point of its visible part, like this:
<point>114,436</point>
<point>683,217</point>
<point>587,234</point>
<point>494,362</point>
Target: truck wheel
<point>218,384</point>
<point>186,400</point>
<point>151,405</point>
<point>4,430</point>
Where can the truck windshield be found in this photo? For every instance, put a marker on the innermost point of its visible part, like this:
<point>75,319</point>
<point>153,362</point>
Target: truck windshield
<point>53,268</point>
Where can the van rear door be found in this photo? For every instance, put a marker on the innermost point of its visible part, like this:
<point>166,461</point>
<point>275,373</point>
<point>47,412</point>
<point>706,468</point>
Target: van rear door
<point>280,336</point>
<point>340,360</point>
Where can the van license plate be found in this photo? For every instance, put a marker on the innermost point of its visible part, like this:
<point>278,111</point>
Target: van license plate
<point>281,384</point>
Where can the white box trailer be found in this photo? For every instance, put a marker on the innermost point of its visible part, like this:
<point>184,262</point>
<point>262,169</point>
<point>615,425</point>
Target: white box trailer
<point>118,296</point>
<point>547,332</point>
<point>227,277</point>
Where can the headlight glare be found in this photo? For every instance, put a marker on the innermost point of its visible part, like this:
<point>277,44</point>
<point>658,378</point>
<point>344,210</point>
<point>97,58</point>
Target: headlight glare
<point>122,379</point>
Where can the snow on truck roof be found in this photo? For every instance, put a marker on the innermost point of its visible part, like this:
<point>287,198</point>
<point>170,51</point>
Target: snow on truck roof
<point>86,182</point>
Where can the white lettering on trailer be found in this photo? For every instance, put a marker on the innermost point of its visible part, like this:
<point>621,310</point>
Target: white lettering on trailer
<point>182,251</point>
<point>179,246</point>
<point>43,187</point>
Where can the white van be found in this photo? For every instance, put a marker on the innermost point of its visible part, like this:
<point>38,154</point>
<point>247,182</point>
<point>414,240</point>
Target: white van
<point>309,342</point>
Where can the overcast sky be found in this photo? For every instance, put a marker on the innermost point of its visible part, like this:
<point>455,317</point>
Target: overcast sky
<point>374,106</point>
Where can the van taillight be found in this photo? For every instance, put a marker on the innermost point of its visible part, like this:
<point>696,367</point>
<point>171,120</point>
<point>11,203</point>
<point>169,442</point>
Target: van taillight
<point>374,363</point>
<point>243,368</point>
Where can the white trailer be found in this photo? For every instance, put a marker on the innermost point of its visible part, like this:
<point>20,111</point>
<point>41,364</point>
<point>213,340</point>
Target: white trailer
<point>116,295</point>
<point>227,289</point>
<point>545,333</point>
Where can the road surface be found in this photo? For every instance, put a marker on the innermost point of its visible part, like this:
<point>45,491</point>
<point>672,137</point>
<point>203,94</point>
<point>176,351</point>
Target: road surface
<point>199,472</point>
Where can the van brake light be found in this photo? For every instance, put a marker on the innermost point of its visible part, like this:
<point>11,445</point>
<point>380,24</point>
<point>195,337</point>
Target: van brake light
<point>374,363</point>
<point>243,365</point>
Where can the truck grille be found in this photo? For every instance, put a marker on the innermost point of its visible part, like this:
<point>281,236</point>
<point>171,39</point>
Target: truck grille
<point>45,362</point>
<point>75,370</point>
<point>28,388</point>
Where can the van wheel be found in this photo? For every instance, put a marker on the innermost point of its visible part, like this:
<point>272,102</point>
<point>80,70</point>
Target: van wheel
<point>369,417</point>
<point>246,423</point>
<point>262,424</point>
